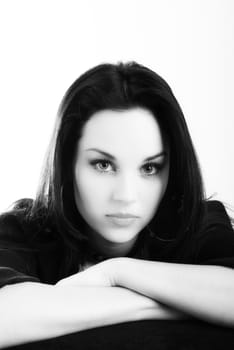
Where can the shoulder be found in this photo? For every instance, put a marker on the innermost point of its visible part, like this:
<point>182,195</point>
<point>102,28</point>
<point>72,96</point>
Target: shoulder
<point>215,214</point>
<point>215,206</point>
<point>29,250</point>
<point>19,226</point>
<point>215,242</point>
<point>12,224</point>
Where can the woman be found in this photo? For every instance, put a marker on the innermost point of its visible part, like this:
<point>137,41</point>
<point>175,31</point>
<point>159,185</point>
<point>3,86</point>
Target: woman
<point>119,230</point>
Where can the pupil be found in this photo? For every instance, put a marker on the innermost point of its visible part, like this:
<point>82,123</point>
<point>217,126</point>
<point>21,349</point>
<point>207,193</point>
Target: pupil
<point>148,168</point>
<point>104,164</point>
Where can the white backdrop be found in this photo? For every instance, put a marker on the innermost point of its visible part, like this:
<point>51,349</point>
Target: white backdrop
<point>47,44</point>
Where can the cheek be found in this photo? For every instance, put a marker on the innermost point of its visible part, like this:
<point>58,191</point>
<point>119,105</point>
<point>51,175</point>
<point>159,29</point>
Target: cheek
<point>152,196</point>
<point>89,191</point>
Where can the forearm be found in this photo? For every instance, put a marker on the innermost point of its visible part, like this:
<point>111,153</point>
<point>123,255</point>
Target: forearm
<point>35,311</point>
<point>206,292</point>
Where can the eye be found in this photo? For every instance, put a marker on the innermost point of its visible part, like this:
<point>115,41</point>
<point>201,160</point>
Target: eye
<point>150,169</point>
<point>102,165</point>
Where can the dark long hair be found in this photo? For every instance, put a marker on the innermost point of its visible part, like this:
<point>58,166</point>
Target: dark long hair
<point>118,87</point>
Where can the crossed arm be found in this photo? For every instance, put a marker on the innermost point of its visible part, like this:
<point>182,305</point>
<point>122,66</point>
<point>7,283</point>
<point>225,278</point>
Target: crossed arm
<point>201,291</point>
<point>114,291</point>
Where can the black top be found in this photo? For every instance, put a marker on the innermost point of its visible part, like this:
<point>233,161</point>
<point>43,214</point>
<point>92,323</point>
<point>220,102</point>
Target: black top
<point>20,261</point>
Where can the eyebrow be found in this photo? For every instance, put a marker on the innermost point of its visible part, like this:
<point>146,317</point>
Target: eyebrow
<point>106,154</point>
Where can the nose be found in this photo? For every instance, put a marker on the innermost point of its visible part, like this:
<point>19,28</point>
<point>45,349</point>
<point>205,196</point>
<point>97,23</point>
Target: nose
<point>124,189</point>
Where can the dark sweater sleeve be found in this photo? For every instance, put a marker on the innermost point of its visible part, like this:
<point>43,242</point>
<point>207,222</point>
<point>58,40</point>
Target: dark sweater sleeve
<point>17,260</point>
<point>216,242</point>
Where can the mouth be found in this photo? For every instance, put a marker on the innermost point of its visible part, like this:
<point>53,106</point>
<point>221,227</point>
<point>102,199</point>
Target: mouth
<point>123,216</point>
<point>122,219</point>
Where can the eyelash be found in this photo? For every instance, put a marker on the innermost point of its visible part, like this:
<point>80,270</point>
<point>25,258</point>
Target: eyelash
<point>157,166</point>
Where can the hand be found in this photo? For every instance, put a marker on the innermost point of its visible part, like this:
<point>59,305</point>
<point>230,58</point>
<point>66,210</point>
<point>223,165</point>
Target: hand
<point>99,275</point>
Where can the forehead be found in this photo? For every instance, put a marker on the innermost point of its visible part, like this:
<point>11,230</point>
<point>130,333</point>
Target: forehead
<point>134,129</point>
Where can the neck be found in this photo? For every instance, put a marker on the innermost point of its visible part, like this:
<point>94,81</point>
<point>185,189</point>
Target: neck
<point>109,248</point>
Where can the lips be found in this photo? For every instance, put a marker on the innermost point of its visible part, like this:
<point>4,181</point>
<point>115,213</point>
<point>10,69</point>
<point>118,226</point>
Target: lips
<point>122,215</point>
<point>122,219</point>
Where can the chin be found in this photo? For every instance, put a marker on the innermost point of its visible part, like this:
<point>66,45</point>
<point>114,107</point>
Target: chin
<point>122,237</point>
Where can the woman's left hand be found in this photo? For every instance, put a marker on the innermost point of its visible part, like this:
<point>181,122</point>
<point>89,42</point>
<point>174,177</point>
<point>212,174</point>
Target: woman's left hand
<point>99,275</point>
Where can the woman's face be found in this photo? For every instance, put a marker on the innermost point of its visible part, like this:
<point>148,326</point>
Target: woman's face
<point>120,176</point>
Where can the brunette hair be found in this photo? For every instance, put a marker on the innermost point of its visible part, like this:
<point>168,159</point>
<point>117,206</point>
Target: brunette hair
<point>119,87</point>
